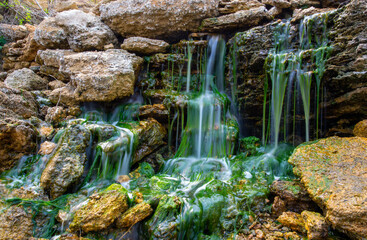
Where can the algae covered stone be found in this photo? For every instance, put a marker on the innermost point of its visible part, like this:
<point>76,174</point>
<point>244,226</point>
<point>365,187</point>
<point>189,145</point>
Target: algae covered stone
<point>292,220</point>
<point>101,210</point>
<point>315,225</point>
<point>333,170</point>
<point>134,215</point>
<point>66,164</point>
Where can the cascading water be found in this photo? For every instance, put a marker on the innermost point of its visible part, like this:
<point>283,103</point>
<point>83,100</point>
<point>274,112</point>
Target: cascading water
<point>287,64</point>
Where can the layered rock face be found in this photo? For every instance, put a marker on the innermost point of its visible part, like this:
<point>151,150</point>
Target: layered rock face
<point>333,172</point>
<point>165,19</point>
<point>344,77</point>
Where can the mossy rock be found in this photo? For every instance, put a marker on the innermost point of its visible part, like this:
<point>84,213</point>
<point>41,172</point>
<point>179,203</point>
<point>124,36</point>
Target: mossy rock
<point>333,171</point>
<point>101,210</point>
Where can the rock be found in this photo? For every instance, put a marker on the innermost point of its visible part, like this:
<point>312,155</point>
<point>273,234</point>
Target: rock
<point>315,225</point>
<point>232,6</point>
<point>360,129</point>
<point>50,35</point>
<point>13,33</point>
<point>333,172</point>
<point>241,19</point>
<point>64,95</point>
<point>56,84</point>
<point>18,138</point>
<point>301,13</point>
<point>164,222</point>
<point>291,196</point>
<point>20,54</point>
<point>17,221</point>
<point>292,220</point>
<point>278,207</point>
<point>333,3</point>
<point>166,19</point>
<point>47,148</point>
<point>156,111</point>
<point>101,210</point>
<point>144,46</point>
<point>25,79</point>
<point>65,5</point>
<point>95,76</point>
<point>278,3</point>
<point>66,165</point>
<point>134,215</point>
<point>17,103</point>
<point>84,31</point>
<point>55,115</point>
<point>150,136</point>
<point>345,74</point>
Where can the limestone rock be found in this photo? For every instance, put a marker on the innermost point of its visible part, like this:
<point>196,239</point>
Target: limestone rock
<point>65,5</point>
<point>95,76</point>
<point>278,3</point>
<point>292,195</point>
<point>13,32</point>
<point>64,95</point>
<point>25,79</point>
<point>56,84</point>
<point>18,138</point>
<point>84,31</point>
<point>333,172</point>
<point>55,115</point>
<point>232,6</point>
<point>301,13</point>
<point>151,135</point>
<point>144,46</point>
<point>47,148</point>
<point>17,103</point>
<point>16,221</point>
<point>101,210</point>
<point>345,72</point>
<point>292,220</point>
<point>240,19</point>
<point>66,165</point>
<point>156,111</point>
<point>166,19</point>
<point>315,225</point>
<point>50,35</point>
<point>360,129</point>
<point>20,54</point>
<point>134,215</point>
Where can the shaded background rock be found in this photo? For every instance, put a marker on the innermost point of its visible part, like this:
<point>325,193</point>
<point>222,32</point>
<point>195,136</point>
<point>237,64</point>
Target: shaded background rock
<point>18,138</point>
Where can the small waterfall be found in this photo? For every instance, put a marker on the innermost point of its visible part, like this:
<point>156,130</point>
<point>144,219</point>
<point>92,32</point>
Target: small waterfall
<point>303,65</point>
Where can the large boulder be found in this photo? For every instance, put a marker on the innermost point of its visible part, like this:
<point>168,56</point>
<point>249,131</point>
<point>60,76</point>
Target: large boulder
<point>166,19</point>
<point>333,171</point>
<point>77,29</point>
<point>25,79</point>
<point>94,76</point>
<point>50,35</point>
<point>101,210</point>
<point>66,165</point>
<point>18,138</point>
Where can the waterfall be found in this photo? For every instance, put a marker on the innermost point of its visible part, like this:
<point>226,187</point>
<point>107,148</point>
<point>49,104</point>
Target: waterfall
<point>302,65</point>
